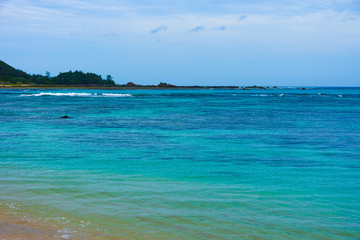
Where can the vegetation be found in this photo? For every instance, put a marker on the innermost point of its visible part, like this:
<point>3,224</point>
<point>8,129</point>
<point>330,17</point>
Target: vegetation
<point>10,75</point>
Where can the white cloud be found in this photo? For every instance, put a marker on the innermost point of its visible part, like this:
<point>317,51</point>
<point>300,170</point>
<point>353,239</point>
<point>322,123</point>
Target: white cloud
<point>295,23</point>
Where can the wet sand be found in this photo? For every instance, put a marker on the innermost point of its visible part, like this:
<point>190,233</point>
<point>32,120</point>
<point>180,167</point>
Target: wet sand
<point>13,227</point>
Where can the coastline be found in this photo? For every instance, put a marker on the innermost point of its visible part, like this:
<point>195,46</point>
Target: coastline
<point>14,226</point>
<point>115,88</point>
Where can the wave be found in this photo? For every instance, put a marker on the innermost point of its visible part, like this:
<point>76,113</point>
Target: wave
<point>116,95</point>
<point>60,94</point>
<point>77,94</point>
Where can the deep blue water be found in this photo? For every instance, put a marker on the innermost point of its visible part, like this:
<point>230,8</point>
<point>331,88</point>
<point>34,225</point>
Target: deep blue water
<point>184,164</point>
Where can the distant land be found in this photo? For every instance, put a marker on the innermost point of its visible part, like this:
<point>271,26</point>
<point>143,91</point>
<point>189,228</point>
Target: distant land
<point>15,78</point>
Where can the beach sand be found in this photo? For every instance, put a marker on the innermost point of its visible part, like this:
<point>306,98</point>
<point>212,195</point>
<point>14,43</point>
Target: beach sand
<point>14,227</point>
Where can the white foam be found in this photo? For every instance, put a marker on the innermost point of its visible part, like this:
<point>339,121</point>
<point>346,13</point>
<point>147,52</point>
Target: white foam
<point>116,95</point>
<point>73,94</point>
<point>65,236</point>
<point>12,207</point>
<point>340,95</point>
<point>281,95</point>
<point>58,94</point>
<point>84,224</point>
<point>66,233</point>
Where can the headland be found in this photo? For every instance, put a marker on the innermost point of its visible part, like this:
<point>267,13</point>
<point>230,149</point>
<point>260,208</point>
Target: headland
<point>15,78</point>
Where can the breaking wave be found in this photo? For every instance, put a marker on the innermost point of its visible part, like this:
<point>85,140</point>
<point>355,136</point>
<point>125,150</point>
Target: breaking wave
<point>77,94</point>
<point>116,95</point>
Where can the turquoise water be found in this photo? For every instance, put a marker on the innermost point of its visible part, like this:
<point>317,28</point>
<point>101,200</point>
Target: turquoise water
<point>184,164</point>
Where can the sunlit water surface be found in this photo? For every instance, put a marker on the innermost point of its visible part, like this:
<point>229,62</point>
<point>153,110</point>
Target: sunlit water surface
<point>183,164</point>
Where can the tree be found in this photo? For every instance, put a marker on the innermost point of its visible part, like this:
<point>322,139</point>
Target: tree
<point>109,78</point>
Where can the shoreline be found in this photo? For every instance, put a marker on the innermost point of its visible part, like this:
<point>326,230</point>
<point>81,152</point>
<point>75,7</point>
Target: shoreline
<point>14,226</point>
<point>115,87</point>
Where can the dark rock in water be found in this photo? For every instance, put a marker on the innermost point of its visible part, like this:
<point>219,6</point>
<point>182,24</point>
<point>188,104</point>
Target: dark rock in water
<point>66,116</point>
<point>256,87</point>
<point>303,88</point>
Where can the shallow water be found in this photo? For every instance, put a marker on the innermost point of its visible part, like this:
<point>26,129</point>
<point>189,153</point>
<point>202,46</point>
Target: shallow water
<point>183,164</point>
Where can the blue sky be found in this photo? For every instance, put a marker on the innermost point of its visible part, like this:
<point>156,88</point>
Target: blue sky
<point>183,42</point>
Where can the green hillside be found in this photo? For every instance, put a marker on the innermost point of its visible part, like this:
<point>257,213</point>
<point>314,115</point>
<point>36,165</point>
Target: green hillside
<point>10,75</point>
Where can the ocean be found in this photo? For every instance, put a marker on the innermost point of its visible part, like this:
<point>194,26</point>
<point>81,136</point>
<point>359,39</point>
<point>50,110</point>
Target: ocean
<point>278,163</point>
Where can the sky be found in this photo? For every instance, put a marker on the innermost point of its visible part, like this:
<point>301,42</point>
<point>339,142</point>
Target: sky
<point>187,42</point>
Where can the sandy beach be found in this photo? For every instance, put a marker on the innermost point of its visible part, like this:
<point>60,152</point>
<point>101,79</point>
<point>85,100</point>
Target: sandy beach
<point>17,227</point>
<point>14,227</point>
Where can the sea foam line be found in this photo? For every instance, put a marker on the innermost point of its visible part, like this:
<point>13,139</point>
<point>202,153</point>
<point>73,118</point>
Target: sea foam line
<point>116,95</point>
<point>77,94</point>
